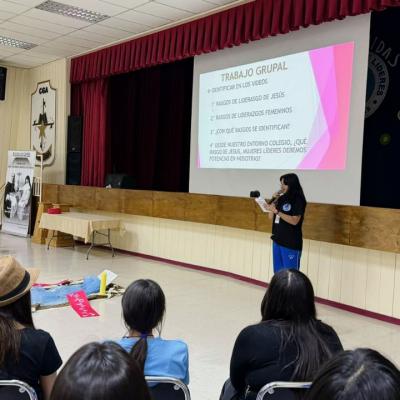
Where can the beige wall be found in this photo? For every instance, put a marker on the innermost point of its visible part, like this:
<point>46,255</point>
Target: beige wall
<point>17,80</point>
<point>15,114</point>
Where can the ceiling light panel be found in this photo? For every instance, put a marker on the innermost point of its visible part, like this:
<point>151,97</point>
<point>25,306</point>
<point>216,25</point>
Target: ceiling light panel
<point>10,42</point>
<point>106,7</point>
<point>56,19</point>
<point>72,11</point>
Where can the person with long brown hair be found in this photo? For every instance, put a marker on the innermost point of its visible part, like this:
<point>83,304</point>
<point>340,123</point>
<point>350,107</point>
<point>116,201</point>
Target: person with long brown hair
<point>26,353</point>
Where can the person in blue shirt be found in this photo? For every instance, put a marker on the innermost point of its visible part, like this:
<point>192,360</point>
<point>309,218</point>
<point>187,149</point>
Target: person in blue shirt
<point>143,309</point>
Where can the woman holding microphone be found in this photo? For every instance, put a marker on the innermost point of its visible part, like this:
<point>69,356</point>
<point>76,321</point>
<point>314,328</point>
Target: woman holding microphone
<point>287,208</point>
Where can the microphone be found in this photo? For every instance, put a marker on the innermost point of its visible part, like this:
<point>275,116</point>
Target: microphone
<point>274,199</point>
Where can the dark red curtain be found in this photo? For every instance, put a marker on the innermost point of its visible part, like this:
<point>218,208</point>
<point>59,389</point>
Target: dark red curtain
<point>248,22</point>
<point>150,119</point>
<point>90,99</point>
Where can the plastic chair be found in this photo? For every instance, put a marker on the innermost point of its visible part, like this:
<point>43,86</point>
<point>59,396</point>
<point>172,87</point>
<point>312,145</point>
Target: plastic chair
<point>167,388</point>
<point>16,390</point>
<point>269,388</point>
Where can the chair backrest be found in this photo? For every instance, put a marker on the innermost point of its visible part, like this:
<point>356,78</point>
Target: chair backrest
<point>16,390</point>
<point>269,388</point>
<point>167,388</point>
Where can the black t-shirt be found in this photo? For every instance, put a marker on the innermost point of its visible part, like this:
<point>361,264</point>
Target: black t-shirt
<point>283,233</point>
<point>38,357</point>
<point>257,358</point>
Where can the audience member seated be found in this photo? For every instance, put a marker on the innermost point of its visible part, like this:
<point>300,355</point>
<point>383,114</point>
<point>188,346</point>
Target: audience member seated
<point>143,309</point>
<point>26,354</point>
<point>289,344</point>
<point>361,374</point>
<point>100,371</point>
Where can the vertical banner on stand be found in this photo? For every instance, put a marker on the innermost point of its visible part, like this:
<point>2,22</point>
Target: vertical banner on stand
<point>18,192</point>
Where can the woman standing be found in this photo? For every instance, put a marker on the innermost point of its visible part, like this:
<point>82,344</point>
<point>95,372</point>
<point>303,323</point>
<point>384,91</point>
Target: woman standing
<point>26,353</point>
<point>287,212</point>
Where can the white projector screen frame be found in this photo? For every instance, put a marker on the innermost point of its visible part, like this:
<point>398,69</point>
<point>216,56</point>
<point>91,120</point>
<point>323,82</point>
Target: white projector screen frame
<point>324,186</point>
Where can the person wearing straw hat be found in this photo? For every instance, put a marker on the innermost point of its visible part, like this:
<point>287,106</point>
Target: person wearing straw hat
<point>26,353</point>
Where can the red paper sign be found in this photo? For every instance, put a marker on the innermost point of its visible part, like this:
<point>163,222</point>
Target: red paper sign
<point>81,305</point>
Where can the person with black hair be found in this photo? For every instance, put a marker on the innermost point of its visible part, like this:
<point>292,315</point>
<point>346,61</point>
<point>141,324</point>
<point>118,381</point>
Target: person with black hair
<point>26,353</point>
<point>287,208</point>
<point>361,374</point>
<point>289,344</point>
<point>100,371</point>
<point>143,309</point>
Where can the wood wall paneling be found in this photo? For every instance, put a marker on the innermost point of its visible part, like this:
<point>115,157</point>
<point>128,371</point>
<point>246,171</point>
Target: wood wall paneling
<point>201,208</point>
<point>327,222</point>
<point>375,228</point>
<point>108,199</point>
<point>85,197</point>
<point>236,212</point>
<point>66,194</point>
<point>364,227</point>
<point>137,202</point>
<point>169,205</point>
<point>50,193</point>
<point>262,220</point>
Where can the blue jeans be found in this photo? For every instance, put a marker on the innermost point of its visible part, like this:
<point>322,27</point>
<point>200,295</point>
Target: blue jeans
<point>285,258</point>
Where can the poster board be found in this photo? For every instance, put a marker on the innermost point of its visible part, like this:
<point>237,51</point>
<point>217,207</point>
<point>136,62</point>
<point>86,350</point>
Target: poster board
<point>18,192</point>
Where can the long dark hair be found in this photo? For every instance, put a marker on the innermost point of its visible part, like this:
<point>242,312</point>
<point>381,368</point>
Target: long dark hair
<point>361,374</point>
<point>29,180</point>
<point>100,371</point>
<point>293,182</point>
<point>143,309</point>
<point>10,337</point>
<point>289,304</point>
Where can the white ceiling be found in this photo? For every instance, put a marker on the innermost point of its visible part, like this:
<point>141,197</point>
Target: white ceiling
<point>58,36</point>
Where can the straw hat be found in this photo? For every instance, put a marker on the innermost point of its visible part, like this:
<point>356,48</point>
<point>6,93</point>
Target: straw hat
<point>15,280</point>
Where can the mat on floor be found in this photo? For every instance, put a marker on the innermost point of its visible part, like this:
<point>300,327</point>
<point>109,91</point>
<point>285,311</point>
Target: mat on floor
<point>49,296</point>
